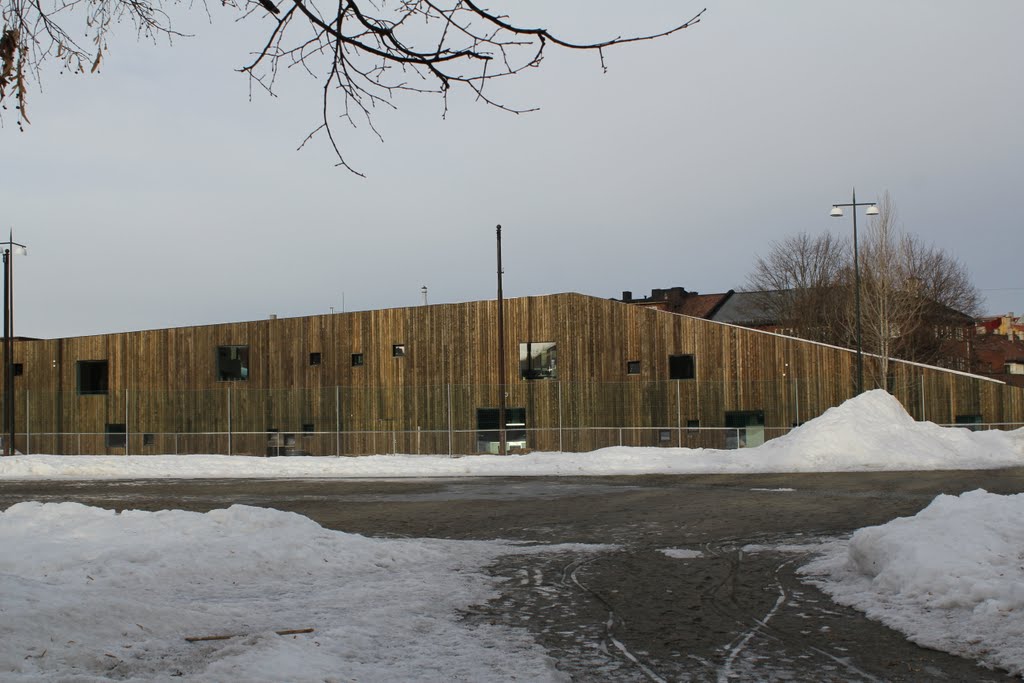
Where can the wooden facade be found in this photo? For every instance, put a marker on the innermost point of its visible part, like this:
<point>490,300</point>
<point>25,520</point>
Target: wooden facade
<point>611,383</point>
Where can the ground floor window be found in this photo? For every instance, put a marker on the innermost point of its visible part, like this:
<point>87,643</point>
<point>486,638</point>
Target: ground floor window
<point>745,428</point>
<point>969,421</point>
<point>116,436</point>
<point>487,429</point>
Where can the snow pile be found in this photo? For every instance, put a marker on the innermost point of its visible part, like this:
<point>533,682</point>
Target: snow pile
<point>91,595</point>
<point>874,432</point>
<point>869,433</point>
<point>950,578</point>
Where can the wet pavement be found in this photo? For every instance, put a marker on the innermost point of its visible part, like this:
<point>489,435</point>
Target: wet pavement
<point>629,612</point>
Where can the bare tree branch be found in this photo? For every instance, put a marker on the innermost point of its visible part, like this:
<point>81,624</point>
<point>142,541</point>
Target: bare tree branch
<point>365,51</point>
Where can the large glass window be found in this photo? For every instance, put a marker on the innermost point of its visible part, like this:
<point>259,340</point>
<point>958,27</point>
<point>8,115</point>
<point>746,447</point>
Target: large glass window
<point>682,367</point>
<point>745,428</point>
<point>232,363</point>
<point>538,360</point>
<point>487,436</point>
<point>92,376</point>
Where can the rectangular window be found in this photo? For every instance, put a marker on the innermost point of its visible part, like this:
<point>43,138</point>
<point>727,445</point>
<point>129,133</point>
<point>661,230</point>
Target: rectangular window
<point>148,439</point>
<point>92,376</point>
<point>314,358</point>
<point>18,369</point>
<point>398,350</point>
<point>115,436</point>
<point>681,367</point>
<point>357,360</point>
<point>307,427</point>
<point>487,436</point>
<point>538,360</point>
<point>232,363</point>
<point>745,428</point>
<point>692,425</point>
<point>971,422</point>
<point>633,367</point>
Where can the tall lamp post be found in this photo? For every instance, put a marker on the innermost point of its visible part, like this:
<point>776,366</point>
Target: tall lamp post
<point>837,212</point>
<point>10,248</point>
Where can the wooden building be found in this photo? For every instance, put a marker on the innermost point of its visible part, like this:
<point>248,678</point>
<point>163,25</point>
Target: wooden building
<point>583,373</point>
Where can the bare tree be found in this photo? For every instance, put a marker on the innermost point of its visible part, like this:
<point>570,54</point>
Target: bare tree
<point>917,301</point>
<point>364,51</point>
<point>795,285</point>
<point>891,307</point>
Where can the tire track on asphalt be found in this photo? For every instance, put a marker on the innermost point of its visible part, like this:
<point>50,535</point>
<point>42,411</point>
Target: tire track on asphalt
<point>570,575</point>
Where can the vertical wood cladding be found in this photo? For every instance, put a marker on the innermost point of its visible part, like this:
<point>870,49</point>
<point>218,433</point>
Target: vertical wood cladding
<point>163,382</point>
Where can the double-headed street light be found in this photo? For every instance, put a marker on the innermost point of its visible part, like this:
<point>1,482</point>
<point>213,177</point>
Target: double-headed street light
<point>837,212</point>
<point>10,248</point>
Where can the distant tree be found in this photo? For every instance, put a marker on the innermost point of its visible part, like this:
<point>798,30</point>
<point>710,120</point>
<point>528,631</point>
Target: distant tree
<point>795,285</point>
<point>917,301</point>
<point>364,51</point>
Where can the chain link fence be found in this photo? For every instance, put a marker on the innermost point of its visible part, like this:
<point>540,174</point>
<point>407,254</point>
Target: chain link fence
<point>547,415</point>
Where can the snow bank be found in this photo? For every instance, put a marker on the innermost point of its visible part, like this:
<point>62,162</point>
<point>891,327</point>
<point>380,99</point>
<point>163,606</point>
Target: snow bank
<point>874,432</point>
<point>91,595</point>
<point>950,578</point>
<point>869,433</point>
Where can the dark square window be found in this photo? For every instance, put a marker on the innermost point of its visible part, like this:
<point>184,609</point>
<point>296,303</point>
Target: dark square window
<point>232,363</point>
<point>18,369</point>
<point>92,376</point>
<point>314,358</point>
<point>148,439</point>
<point>398,350</point>
<point>693,425</point>
<point>308,427</point>
<point>633,367</point>
<point>357,360</point>
<point>116,436</point>
<point>664,436</point>
<point>681,367</point>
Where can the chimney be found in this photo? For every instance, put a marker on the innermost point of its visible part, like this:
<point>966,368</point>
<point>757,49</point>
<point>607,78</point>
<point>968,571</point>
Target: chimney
<point>627,296</point>
<point>273,316</point>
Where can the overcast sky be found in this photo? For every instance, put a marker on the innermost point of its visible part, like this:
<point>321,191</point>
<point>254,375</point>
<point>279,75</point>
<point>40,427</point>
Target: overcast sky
<point>157,193</point>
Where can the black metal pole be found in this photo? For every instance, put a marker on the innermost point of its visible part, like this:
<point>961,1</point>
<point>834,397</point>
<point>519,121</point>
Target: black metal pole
<point>856,285</point>
<point>501,356</point>
<point>8,394</point>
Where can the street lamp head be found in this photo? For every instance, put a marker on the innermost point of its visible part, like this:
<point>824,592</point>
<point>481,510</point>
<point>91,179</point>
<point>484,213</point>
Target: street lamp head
<point>872,210</point>
<point>837,212</point>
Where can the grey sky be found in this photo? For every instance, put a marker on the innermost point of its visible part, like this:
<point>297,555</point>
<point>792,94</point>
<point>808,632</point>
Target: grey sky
<point>157,194</point>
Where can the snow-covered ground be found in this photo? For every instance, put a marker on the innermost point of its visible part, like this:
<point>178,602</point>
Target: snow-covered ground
<point>869,433</point>
<point>950,578</point>
<point>91,595</point>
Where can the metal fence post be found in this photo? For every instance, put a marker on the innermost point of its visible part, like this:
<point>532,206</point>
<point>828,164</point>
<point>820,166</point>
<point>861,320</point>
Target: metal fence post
<point>559,416</point>
<point>229,418</point>
<point>127,424</point>
<point>796,393</point>
<point>679,416</point>
<point>448,388</point>
<point>28,430</point>
<point>922,398</point>
<point>337,420</point>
